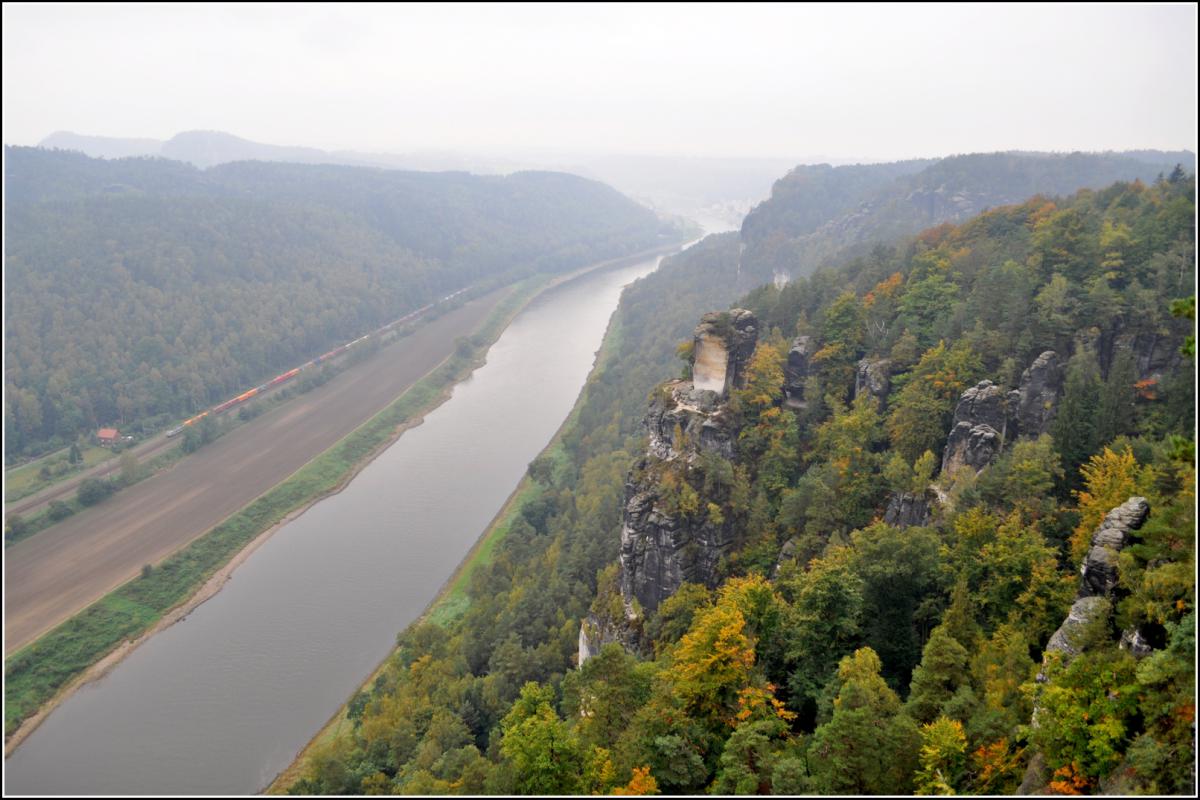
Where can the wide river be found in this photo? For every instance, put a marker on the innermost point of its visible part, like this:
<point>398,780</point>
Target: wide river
<point>221,702</point>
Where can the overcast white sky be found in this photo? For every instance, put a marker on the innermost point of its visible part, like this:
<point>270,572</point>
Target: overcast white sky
<point>872,82</point>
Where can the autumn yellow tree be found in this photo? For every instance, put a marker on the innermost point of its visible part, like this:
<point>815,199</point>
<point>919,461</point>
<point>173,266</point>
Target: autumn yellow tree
<point>943,757</point>
<point>922,409</point>
<point>713,663</point>
<point>715,674</point>
<point>640,785</point>
<point>769,437</point>
<point>1109,479</point>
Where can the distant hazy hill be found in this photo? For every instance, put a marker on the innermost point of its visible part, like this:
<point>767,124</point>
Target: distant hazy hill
<point>199,148</point>
<point>679,184</point>
<point>145,286</point>
<point>209,148</point>
<point>818,212</point>
<point>102,146</point>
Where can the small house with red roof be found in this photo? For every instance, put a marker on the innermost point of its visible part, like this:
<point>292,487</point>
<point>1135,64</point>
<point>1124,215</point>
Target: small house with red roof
<point>108,436</point>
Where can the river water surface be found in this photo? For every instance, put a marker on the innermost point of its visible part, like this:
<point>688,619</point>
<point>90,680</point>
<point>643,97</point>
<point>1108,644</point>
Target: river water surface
<point>221,702</point>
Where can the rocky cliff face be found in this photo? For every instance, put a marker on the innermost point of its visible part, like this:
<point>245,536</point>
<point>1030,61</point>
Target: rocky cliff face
<point>721,347</point>
<point>659,551</point>
<point>597,630</point>
<point>701,415</point>
<point>1036,399</point>
<point>795,372</point>
<point>1155,353</point>
<point>873,377</point>
<point>661,546</point>
<point>980,422</point>
<point>987,417</point>
<point>1099,569</point>
<point>1091,613</point>
<point>906,510</point>
<point>664,542</point>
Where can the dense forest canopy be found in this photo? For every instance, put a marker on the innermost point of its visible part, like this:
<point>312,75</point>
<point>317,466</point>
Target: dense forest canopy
<point>828,650</point>
<point>143,289</point>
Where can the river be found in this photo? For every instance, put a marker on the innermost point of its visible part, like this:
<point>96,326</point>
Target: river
<point>222,701</point>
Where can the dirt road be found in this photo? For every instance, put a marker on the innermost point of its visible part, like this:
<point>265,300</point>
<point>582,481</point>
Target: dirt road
<point>58,572</point>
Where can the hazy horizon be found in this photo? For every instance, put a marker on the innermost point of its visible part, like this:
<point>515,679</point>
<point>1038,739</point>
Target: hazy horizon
<point>683,81</point>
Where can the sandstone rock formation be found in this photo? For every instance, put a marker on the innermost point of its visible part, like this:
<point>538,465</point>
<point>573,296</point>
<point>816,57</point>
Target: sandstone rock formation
<point>905,510</point>
<point>786,553</point>
<point>1091,613</point>
<point>1072,634</point>
<point>659,551</point>
<point>1099,569</point>
<point>1036,399</point>
<point>873,377</point>
<point>977,434</point>
<point>598,630</point>
<point>661,548</point>
<point>1155,353</point>
<point>1098,575</point>
<point>796,371</point>
<point>701,415</point>
<point>722,345</point>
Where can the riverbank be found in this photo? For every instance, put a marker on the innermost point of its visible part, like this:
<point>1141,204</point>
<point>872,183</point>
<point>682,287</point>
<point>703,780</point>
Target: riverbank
<point>451,600</point>
<point>43,674</point>
<point>59,662</point>
<point>36,511</point>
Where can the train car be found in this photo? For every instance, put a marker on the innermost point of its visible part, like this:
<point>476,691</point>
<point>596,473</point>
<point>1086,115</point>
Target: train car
<point>285,376</point>
<point>337,351</point>
<point>224,406</point>
<point>197,418</point>
<point>291,373</point>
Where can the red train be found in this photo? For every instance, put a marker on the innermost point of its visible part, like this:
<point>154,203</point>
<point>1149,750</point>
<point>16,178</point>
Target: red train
<point>291,373</point>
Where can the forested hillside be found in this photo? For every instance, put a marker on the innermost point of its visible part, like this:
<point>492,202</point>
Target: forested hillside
<point>140,290</point>
<point>858,569</point>
<point>819,215</point>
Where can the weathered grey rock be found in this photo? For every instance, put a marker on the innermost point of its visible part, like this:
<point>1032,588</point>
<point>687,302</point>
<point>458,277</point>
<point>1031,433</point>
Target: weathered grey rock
<point>703,419</point>
<point>983,404</point>
<point>795,372</point>
<point>1091,613</point>
<point>596,631</point>
<point>1071,635</point>
<point>873,377</point>
<point>659,551</point>
<point>1155,354</point>
<point>1037,776</point>
<point>723,343</point>
<point>1099,568</point>
<point>980,421</point>
<point>1133,641</point>
<point>786,553</point>
<point>905,510</point>
<point>1098,580</point>
<point>970,446</point>
<point>1037,396</point>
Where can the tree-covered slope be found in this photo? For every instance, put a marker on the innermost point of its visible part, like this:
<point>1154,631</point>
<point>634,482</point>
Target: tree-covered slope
<point>138,288</point>
<point>828,650</point>
<point>818,215</point>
